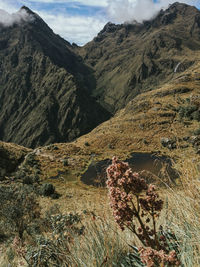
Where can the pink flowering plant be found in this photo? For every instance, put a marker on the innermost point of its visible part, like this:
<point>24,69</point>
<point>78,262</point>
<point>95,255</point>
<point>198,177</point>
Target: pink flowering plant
<point>137,206</point>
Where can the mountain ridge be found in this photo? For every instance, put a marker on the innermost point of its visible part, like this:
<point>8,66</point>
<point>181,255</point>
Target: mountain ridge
<point>52,91</point>
<point>45,91</point>
<point>128,59</point>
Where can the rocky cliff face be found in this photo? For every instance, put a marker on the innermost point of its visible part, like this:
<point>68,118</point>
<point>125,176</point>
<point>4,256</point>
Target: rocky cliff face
<point>45,89</point>
<point>129,59</point>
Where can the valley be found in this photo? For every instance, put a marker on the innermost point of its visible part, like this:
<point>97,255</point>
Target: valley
<point>66,111</point>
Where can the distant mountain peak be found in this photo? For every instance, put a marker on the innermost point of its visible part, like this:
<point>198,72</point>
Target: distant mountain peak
<point>180,7</point>
<point>28,10</point>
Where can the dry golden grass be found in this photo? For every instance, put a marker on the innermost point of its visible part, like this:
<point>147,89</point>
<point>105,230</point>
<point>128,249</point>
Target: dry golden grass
<point>182,212</point>
<point>104,241</point>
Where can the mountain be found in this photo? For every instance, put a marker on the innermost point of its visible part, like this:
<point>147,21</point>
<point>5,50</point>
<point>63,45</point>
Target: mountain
<point>45,88</point>
<point>52,91</point>
<point>130,59</point>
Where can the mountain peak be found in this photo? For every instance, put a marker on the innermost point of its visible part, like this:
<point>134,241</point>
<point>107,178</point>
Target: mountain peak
<point>28,10</point>
<point>181,8</point>
<point>174,11</point>
<point>179,5</point>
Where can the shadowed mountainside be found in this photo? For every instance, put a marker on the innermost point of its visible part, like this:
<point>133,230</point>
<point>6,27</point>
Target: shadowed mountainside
<point>45,89</point>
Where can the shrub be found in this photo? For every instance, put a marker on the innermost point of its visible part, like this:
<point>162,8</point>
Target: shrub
<point>53,249</point>
<point>188,112</point>
<point>27,180</point>
<point>65,162</point>
<point>47,190</point>
<point>197,131</point>
<point>47,252</point>
<point>20,174</point>
<point>196,115</point>
<point>30,160</point>
<point>19,208</point>
<point>137,206</point>
<point>87,144</point>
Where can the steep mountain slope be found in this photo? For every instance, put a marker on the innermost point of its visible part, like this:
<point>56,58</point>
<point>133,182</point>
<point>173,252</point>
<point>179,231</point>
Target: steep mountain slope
<point>45,89</point>
<point>130,59</point>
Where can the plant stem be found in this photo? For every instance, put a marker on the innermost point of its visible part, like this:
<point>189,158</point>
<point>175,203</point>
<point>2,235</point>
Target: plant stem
<point>154,228</point>
<point>147,237</point>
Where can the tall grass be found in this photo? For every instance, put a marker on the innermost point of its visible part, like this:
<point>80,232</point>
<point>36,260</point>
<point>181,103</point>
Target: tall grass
<point>182,213</point>
<point>102,245</point>
<point>106,245</point>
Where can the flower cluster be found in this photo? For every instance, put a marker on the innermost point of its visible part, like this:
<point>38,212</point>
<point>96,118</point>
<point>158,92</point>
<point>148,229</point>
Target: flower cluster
<point>123,184</point>
<point>131,197</point>
<point>134,203</point>
<point>151,202</point>
<point>152,257</point>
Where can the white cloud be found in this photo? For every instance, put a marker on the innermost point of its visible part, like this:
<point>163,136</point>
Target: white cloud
<point>78,29</point>
<point>9,19</point>
<point>120,11</point>
<point>100,3</point>
<point>8,6</point>
<point>82,29</point>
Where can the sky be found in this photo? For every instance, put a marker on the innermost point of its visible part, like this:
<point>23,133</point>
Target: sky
<point>80,21</point>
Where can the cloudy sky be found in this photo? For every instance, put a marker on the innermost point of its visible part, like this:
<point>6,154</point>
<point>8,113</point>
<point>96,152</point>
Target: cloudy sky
<point>80,20</point>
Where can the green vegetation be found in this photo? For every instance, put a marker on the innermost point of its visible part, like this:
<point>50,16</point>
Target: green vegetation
<point>47,190</point>
<point>197,131</point>
<point>19,210</point>
<point>190,112</point>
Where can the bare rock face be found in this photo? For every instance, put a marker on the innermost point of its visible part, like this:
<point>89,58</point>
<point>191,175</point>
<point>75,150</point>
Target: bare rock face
<point>45,88</point>
<point>129,59</point>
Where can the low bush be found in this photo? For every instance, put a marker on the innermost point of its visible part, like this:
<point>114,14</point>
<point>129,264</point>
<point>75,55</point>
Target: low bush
<point>197,131</point>
<point>47,190</point>
<point>19,208</point>
<point>54,247</point>
<point>190,112</point>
